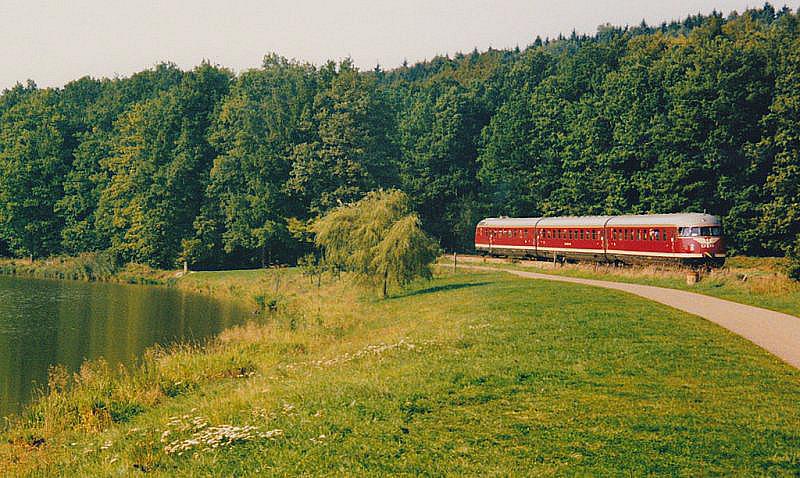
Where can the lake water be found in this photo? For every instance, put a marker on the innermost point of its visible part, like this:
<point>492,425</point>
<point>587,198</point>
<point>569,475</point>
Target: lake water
<point>44,322</point>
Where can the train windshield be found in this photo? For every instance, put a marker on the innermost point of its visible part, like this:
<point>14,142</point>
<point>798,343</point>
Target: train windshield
<point>714,231</point>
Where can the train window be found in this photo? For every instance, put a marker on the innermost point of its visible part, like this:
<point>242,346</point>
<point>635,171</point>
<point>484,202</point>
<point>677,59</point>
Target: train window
<point>692,231</point>
<point>664,234</point>
<point>594,234</point>
<point>654,234</point>
<point>711,231</point>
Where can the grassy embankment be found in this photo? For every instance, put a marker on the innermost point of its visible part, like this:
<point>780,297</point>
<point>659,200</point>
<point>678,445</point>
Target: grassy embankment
<point>87,267</point>
<point>469,374</point>
<point>761,282</point>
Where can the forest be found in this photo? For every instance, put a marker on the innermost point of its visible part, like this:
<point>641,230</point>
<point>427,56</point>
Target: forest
<point>229,170</point>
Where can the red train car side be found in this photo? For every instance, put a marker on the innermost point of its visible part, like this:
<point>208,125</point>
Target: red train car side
<point>687,238</point>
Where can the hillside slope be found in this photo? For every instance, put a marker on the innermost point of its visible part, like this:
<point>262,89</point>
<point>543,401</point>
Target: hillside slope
<point>469,374</point>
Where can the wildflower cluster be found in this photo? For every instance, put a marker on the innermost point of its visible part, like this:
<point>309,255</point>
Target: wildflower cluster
<point>204,437</point>
<point>370,350</point>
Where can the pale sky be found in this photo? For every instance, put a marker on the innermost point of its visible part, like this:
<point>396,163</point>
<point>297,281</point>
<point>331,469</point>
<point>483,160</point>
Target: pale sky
<point>53,42</point>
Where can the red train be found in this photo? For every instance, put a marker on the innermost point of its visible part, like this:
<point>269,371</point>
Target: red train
<point>687,238</point>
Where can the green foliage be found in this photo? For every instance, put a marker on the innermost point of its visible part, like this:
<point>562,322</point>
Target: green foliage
<point>794,260</point>
<point>158,170</point>
<point>350,153</point>
<point>379,239</point>
<point>33,164</point>
<point>211,168</point>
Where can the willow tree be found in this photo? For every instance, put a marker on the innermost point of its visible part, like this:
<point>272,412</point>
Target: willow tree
<point>378,238</point>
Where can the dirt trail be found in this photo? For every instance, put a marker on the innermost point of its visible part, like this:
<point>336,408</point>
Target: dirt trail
<point>775,332</point>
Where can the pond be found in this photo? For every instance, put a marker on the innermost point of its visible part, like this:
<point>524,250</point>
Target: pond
<point>43,323</point>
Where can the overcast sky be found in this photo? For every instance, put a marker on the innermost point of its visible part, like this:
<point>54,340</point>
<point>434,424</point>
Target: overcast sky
<point>53,42</point>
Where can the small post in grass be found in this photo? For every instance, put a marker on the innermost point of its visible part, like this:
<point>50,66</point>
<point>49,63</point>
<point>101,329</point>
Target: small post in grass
<point>455,261</point>
<point>692,277</point>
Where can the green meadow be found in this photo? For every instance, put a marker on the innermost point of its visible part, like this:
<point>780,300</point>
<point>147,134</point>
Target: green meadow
<point>757,281</point>
<point>468,374</point>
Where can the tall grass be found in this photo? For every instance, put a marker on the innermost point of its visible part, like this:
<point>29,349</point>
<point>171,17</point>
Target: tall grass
<point>92,267</point>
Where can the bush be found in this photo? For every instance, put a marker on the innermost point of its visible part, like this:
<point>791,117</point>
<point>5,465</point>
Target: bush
<point>794,261</point>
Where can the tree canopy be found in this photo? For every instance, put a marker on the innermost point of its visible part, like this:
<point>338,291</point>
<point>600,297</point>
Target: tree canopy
<point>379,239</point>
<point>215,168</point>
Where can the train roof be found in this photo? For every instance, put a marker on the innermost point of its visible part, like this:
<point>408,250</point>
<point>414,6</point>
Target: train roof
<point>580,221</point>
<point>678,219</point>
<point>509,222</point>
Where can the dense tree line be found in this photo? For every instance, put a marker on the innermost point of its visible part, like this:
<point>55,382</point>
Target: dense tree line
<point>230,170</point>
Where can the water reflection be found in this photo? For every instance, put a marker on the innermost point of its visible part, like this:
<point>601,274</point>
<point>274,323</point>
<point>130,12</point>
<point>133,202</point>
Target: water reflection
<point>59,322</point>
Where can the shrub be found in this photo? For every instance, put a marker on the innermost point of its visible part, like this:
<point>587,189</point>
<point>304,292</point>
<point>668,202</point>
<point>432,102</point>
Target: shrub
<point>794,261</point>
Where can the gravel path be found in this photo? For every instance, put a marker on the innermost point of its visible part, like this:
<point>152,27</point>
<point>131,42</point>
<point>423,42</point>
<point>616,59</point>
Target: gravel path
<point>775,332</point>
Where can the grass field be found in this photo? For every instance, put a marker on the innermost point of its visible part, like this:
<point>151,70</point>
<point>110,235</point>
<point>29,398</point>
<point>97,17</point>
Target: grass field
<point>470,374</point>
<point>761,282</point>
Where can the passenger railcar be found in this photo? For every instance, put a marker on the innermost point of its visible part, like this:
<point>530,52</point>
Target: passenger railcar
<point>687,238</point>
